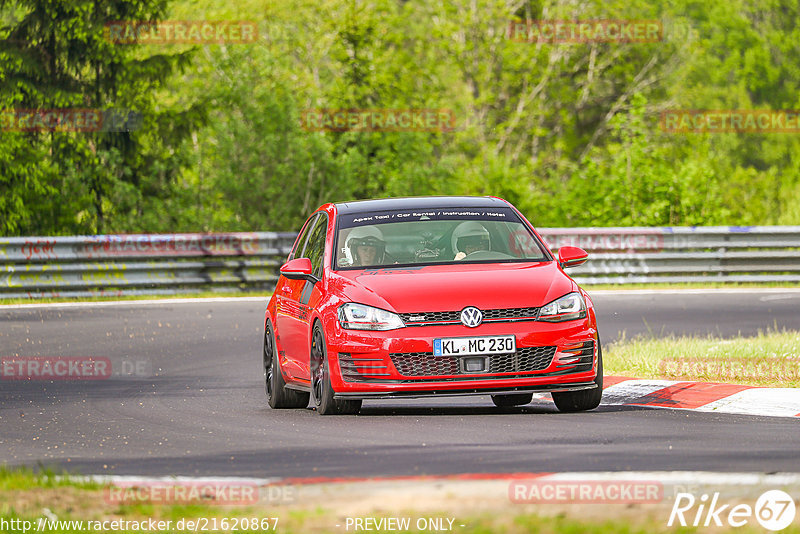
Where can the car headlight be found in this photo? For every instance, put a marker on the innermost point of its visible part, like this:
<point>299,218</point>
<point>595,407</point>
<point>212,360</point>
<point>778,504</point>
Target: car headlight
<point>567,308</point>
<point>360,317</point>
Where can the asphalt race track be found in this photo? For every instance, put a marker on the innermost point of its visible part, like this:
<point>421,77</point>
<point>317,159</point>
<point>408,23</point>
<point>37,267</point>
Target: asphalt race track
<point>187,398</point>
<point>718,312</point>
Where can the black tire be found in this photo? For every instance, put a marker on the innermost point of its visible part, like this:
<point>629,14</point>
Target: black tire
<point>278,395</point>
<point>514,399</point>
<point>321,389</point>
<point>588,399</point>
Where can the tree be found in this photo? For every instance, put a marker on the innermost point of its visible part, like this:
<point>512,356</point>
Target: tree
<point>56,56</point>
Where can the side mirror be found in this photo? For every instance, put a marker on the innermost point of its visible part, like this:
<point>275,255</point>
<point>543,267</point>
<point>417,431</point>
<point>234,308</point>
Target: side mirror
<point>298,269</point>
<point>571,257</point>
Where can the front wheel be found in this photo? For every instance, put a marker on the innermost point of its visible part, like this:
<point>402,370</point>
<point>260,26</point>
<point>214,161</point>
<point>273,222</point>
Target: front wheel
<point>321,389</point>
<point>587,399</point>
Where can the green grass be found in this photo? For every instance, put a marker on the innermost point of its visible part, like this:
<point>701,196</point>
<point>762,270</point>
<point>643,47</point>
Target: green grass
<point>28,496</point>
<point>520,524</point>
<point>488,522</point>
<point>771,358</point>
<point>25,478</point>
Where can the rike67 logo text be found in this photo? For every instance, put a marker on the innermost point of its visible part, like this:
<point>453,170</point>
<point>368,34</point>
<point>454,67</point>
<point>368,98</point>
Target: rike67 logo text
<point>774,510</point>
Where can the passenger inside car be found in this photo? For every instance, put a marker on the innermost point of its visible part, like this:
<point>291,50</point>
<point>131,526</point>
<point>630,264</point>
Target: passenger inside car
<point>470,237</point>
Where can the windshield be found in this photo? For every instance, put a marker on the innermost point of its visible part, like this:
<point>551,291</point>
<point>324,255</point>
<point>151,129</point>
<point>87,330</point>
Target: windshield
<point>415,237</point>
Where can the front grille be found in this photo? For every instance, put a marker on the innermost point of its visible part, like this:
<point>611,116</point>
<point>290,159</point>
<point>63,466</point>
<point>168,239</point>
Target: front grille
<point>511,313</point>
<point>454,317</point>
<point>431,317</point>
<point>424,364</point>
<point>526,359</point>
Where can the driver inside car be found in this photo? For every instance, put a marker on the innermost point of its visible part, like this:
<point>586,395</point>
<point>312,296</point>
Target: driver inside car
<point>367,246</point>
<point>469,237</point>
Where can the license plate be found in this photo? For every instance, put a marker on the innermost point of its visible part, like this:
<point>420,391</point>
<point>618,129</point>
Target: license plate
<point>470,346</point>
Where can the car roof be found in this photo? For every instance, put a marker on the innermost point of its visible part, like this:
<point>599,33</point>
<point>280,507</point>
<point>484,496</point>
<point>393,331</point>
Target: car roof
<point>390,204</point>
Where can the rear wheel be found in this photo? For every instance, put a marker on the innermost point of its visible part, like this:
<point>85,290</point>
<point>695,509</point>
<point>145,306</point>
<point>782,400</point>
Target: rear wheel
<point>515,399</point>
<point>321,389</point>
<point>278,395</point>
<point>587,399</point>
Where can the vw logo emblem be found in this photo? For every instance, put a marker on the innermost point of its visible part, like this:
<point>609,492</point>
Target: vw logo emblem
<point>471,316</point>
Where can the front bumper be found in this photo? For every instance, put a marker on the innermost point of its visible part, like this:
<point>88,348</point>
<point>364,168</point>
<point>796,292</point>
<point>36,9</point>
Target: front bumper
<point>411,394</point>
<point>400,363</point>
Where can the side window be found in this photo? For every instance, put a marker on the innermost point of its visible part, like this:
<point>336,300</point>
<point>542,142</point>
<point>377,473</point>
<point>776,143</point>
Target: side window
<point>315,249</point>
<point>297,251</point>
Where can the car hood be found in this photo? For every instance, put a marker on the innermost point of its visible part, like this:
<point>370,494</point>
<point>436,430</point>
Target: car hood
<point>453,287</point>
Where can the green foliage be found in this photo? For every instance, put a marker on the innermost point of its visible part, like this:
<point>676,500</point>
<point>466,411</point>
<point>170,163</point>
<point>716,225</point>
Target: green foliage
<point>55,56</point>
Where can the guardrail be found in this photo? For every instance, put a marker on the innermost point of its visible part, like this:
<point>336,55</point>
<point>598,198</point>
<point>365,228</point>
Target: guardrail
<point>683,254</point>
<point>116,265</point>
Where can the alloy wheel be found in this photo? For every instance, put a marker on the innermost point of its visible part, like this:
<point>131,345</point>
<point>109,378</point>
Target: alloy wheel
<point>268,352</point>
<point>318,369</point>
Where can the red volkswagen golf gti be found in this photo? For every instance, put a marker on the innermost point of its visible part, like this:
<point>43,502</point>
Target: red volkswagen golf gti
<point>432,296</point>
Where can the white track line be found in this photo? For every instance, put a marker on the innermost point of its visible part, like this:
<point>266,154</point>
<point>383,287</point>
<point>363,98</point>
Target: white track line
<point>778,402</point>
<point>771,402</point>
<point>625,392</point>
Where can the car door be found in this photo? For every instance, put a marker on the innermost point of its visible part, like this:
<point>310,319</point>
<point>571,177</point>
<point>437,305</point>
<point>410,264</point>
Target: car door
<point>291,313</point>
<point>311,293</point>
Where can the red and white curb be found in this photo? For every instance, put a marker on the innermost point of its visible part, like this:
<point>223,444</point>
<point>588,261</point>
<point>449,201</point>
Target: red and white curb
<point>743,478</point>
<point>702,396</point>
<point>745,482</point>
<point>436,491</point>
